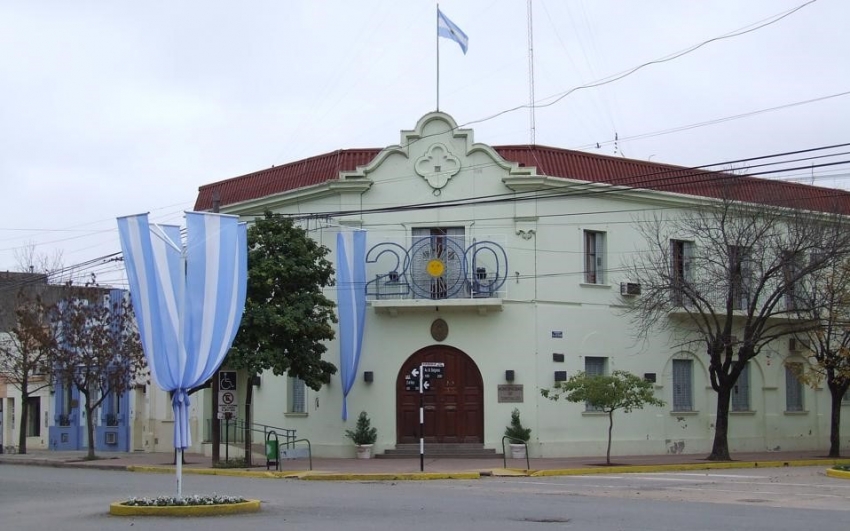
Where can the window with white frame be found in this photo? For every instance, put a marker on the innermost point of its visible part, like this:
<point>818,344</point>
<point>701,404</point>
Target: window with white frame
<point>594,366</point>
<point>740,272</point>
<point>791,267</point>
<point>594,257</point>
<point>67,395</point>
<point>741,391</point>
<point>681,256</point>
<point>793,387</point>
<point>33,416</point>
<point>444,245</point>
<point>296,396</point>
<point>683,385</point>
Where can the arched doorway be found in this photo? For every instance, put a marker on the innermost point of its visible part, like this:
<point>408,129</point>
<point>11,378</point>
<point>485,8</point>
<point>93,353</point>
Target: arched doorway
<point>454,406</point>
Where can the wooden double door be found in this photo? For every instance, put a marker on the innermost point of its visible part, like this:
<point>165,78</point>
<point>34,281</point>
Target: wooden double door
<point>454,405</point>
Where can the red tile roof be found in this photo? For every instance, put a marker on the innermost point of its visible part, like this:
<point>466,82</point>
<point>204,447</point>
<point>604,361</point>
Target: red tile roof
<point>553,162</point>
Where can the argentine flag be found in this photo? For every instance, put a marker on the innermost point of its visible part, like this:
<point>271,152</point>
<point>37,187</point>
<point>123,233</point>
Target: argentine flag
<point>446,28</point>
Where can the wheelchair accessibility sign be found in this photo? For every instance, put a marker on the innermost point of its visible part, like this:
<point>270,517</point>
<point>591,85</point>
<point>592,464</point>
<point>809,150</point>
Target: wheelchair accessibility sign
<point>227,402</point>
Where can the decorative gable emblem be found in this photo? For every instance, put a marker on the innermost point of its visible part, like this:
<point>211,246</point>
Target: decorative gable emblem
<point>437,166</point>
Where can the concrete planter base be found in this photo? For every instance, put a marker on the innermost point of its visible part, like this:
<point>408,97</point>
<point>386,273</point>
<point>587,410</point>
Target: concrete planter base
<point>364,451</point>
<point>517,451</point>
<point>249,506</point>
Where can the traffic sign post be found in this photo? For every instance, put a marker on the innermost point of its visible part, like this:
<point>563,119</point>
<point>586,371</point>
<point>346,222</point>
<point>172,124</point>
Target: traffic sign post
<point>227,398</point>
<point>228,404</point>
<point>422,376</point>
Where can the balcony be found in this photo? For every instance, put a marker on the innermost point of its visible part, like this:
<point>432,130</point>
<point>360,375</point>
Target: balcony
<point>688,297</point>
<point>716,297</point>
<point>436,271</point>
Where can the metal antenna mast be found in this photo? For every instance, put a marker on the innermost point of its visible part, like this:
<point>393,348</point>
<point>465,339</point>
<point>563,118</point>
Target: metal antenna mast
<point>532,126</point>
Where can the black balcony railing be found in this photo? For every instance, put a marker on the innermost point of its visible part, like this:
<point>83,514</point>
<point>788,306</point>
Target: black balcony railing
<point>691,295</point>
<point>436,267</point>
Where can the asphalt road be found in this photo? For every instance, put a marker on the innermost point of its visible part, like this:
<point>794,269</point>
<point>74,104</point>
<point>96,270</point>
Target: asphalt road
<point>36,498</point>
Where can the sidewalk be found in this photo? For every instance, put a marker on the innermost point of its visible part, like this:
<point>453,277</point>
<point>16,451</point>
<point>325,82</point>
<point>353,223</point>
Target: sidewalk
<point>435,468</point>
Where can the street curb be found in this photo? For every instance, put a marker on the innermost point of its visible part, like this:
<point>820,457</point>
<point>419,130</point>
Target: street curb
<point>62,464</point>
<point>841,474</point>
<point>466,475</point>
<point>508,472</point>
<point>726,465</point>
<point>261,474</point>
<point>321,476</point>
<point>310,476</point>
<point>250,506</point>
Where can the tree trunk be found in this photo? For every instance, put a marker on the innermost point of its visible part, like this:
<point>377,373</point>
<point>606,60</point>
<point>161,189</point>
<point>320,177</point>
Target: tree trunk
<point>610,430</point>
<point>249,392</point>
<point>835,422</point>
<point>720,450</point>
<point>90,427</point>
<point>25,411</point>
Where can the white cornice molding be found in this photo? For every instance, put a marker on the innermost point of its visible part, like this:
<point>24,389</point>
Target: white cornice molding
<point>301,195</point>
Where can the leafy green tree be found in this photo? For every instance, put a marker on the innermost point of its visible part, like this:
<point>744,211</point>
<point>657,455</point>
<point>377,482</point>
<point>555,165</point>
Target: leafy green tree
<point>287,318</point>
<point>621,390</point>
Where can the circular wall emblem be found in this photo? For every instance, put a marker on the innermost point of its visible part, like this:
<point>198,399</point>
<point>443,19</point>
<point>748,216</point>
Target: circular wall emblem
<point>435,267</point>
<point>439,330</point>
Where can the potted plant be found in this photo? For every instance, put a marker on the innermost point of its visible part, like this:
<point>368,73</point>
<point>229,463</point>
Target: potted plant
<point>363,435</point>
<point>518,436</point>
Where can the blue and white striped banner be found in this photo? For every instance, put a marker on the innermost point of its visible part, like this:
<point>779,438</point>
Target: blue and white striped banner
<point>351,294</point>
<point>188,299</point>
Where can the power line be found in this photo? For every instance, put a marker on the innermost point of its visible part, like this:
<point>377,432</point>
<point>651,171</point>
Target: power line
<point>715,121</point>
<point>617,77</point>
<point>587,190</point>
<point>656,179</point>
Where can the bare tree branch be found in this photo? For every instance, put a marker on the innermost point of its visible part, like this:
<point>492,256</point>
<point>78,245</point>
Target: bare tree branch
<point>98,350</point>
<point>723,275</point>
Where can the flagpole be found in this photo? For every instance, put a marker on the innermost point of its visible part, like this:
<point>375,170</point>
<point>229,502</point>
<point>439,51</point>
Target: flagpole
<point>437,36</point>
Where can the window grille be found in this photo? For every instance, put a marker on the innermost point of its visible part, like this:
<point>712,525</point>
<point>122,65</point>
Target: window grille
<point>683,376</point>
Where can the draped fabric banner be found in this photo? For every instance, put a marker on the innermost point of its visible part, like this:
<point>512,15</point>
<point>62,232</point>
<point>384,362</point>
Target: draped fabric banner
<point>351,294</point>
<point>188,299</point>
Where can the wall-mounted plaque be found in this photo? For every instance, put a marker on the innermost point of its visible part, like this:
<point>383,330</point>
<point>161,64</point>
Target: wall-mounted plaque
<point>510,393</point>
<point>557,334</point>
<point>439,330</point>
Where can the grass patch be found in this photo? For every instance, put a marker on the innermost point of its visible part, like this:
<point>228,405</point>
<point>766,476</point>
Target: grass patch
<point>232,463</point>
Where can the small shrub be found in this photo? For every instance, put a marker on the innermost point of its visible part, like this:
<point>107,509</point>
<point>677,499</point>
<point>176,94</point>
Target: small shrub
<point>363,432</point>
<point>515,431</point>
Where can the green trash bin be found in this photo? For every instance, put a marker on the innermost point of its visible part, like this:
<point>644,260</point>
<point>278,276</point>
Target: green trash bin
<point>271,452</point>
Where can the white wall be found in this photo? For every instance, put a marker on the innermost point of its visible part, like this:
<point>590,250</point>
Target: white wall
<point>545,293</point>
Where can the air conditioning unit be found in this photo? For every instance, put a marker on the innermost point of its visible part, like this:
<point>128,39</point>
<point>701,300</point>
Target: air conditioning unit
<point>629,289</point>
<point>111,437</point>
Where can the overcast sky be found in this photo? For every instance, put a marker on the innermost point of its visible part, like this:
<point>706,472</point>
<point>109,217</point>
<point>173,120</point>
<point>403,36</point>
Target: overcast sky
<point>114,108</point>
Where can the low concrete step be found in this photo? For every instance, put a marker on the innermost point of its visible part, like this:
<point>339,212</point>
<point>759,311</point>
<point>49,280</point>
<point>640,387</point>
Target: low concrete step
<point>442,451</point>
